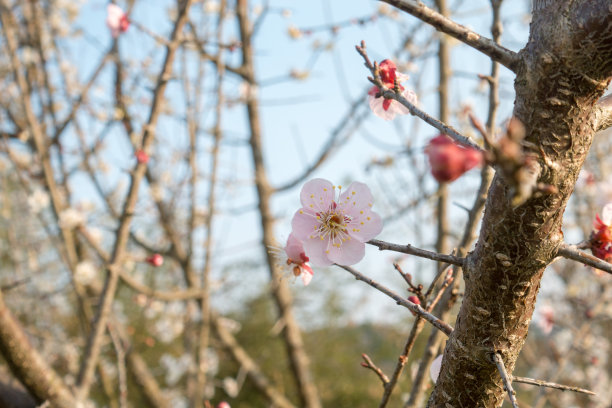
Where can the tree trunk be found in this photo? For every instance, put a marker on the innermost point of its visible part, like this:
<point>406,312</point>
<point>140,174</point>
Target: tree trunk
<point>563,71</point>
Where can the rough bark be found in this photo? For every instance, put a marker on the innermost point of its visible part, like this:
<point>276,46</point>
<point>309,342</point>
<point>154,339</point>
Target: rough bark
<point>28,365</point>
<point>562,72</point>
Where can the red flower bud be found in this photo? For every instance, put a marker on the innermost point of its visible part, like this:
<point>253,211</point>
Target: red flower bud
<point>448,160</point>
<point>155,260</point>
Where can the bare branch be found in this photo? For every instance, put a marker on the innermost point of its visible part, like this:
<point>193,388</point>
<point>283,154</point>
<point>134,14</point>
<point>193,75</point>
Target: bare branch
<point>499,362</point>
<point>496,52</point>
<point>369,364</point>
<point>423,253</point>
<point>260,381</point>
<point>437,323</point>
<point>540,383</point>
<point>573,253</point>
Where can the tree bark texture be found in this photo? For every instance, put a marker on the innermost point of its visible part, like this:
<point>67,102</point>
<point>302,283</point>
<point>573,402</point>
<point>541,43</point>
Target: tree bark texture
<point>562,72</point>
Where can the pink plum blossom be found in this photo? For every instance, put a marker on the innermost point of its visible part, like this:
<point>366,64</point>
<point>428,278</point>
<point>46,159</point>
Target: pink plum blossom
<point>116,20</point>
<point>333,230</point>
<point>601,237</point>
<point>448,160</point>
<point>388,108</point>
<point>297,259</point>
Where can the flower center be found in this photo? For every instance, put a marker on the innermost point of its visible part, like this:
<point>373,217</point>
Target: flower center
<point>332,226</point>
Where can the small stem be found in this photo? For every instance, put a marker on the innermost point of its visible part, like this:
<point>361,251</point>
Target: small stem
<point>499,362</point>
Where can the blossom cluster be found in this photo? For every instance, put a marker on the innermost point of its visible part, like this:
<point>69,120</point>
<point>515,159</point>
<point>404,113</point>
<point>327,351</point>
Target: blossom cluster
<point>331,227</point>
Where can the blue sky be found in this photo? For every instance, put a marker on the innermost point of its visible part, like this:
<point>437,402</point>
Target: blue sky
<point>298,117</point>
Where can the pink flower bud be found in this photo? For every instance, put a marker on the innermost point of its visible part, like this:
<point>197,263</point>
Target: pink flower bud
<point>155,260</point>
<point>223,404</point>
<point>448,160</point>
<point>141,156</point>
<point>415,300</point>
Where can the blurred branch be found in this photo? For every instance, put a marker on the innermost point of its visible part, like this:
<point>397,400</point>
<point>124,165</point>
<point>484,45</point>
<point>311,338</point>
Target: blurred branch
<point>260,381</point>
<point>423,253</point>
<point>292,336</point>
<point>571,252</point>
<point>95,340</point>
<point>496,52</point>
<point>540,383</point>
<point>28,365</point>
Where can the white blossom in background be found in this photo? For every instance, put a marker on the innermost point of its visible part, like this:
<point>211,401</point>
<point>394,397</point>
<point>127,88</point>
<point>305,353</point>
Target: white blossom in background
<point>72,355</point>
<point>20,158</point>
<point>230,325</point>
<point>96,235</point>
<point>71,218</point>
<point>85,272</point>
<point>175,367</point>
<point>212,7</point>
<point>176,398</point>
<point>110,369</point>
<point>167,329</point>
<point>434,369</point>
<point>211,359</point>
<point>230,386</point>
<point>154,309</point>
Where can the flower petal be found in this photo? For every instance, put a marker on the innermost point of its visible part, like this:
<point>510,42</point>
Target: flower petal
<point>349,252</point>
<point>317,194</point>
<point>365,225</point>
<point>356,197</point>
<point>315,250</point>
<point>294,248</point>
<point>606,214</point>
<point>376,105</point>
<point>303,224</point>
<point>306,274</point>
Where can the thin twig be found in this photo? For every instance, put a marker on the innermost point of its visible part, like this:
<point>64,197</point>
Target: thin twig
<point>496,52</point>
<point>121,369</point>
<point>437,323</point>
<point>392,94</point>
<point>573,253</point>
<point>368,363</point>
<point>499,362</point>
<point>417,326</point>
<point>423,253</point>
<point>540,383</point>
